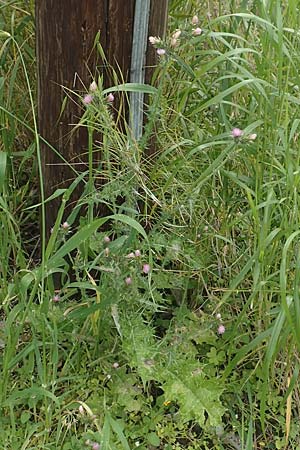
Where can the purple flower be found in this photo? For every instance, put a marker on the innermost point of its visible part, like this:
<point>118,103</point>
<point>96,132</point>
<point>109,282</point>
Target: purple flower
<point>110,98</point>
<point>95,446</point>
<point>161,51</point>
<point>65,226</point>
<point>221,329</point>
<point>56,298</point>
<point>128,281</point>
<point>236,133</point>
<point>197,31</point>
<point>87,99</point>
<point>137,253</point>
<point>106,239</point>
<point>146,268</point>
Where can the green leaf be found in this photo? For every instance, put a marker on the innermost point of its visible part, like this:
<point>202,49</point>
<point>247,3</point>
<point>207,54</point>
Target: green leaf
<point>153,439</point>
<point>25,416</point>
<point>196,396</point>
<point>132,87</point>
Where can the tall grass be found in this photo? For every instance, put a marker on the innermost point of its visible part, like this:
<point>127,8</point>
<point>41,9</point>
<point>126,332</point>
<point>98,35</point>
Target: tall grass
<point>180,327</point>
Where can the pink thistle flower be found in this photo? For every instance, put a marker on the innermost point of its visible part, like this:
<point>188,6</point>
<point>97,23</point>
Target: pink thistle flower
<point>56,298</point>
<point>128,281</point>
<point>106,239</point>
<point>115,365</point>
<point>87,99</point>
<point>137,253</point>
<point>197,31</point>
<point>161,51</point>
<point>146,268</point>
<point>95,446</point>
<point>65,226</point>
<point>195,20</point>
<point>237,132</point>
<point>110,98</point>
<point>221,329</point>
<point>93,86</point>
<point>130,255</point>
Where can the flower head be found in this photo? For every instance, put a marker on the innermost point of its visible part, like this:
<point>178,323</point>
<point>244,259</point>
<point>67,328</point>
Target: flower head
<point>146,268</point>
<point>128,281</point>
<point>115,365</point>
<point>87,99</point>
<point>221,329</point>
<point>56,298</point>
<point>154,40</point>
<point>176,34</point>
<point>93,86</point>
<point>252,137</point>
<point>195,20</point>
<point>137,253</point>
<point>65,226</point>
<point>95,446</point>
<point>237,132</point>
<point>106,239</point>
<point>161,51</point>
<point>218,316</point>
<point>110,98</point>
<point>197,31</point>
<point>174,42</point>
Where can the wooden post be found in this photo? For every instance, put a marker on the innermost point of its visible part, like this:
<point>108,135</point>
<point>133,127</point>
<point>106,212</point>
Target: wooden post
<point>65,38</point>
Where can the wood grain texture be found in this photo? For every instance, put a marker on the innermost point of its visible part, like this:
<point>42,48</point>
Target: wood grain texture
<point>65,33</point>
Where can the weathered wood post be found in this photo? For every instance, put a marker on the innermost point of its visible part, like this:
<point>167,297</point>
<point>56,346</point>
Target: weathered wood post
<point>66,59</point>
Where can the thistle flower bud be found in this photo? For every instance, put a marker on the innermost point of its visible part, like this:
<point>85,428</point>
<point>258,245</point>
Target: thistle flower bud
<point>154,40</point>
<point>93,86</point>
<point>195,20</point>
<point>252,137</point>
<point>128,281</point>
<point>176,34</point>
<point>174,42</point>
<point>110,98</point>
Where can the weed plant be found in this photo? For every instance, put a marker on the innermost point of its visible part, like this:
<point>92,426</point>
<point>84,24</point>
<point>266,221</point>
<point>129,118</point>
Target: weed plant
<point>180,326</point>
